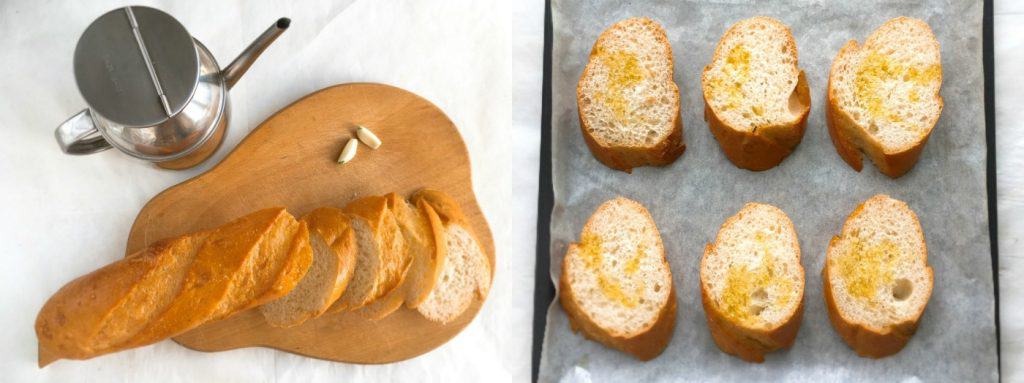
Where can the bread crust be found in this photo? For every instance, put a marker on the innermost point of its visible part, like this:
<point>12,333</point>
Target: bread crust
<point>850,139</point>
<point>644,346</point>
<point>865,340</point>
<point>764,147</point>
<point>625,158</point>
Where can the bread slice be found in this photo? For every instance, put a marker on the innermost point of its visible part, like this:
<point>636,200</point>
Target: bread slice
<point>876,277</point>
<point>883,96</point>
<point>243,264</point>
<point>627,100</point>
<point>616,286</point>
<point>756,99</point>
<point>334,258</point>
<point>393,300</point>
<point>466,270</point>
<point>429,249</point>
<point>133,291</point>
<point>752,283</point>
<point>383,256</point>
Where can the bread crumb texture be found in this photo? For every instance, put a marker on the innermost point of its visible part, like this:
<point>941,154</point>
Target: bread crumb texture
<point>627,95</point>
<point>878,267</point>
<point>754,75</point>
<point>618,271</point>
<point>890,85</point>
<point>752,272</point>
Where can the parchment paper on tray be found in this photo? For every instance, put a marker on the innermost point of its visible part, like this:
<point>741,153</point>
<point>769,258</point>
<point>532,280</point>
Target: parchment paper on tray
<point>691,198</point>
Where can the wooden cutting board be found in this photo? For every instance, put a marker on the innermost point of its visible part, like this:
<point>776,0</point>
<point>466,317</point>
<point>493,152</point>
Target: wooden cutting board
<point>290,160</point>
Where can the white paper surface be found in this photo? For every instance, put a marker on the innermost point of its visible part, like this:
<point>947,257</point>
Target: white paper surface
<point>690,199</point>
<point>478,61</point>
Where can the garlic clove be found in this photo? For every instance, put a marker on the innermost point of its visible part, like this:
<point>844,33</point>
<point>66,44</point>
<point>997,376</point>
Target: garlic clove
<point>349,152</point>
<point>367,137</point>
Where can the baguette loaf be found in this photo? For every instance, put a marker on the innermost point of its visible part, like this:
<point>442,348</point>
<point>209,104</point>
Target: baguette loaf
<point>876,277</point>
<point>883,96</point>
<point>752,283</point>
<point>616,286</point>
<point>465,273</point>
<point>334,258</point>
<point>175,285</point>
<point>756,98</point>
<point>628,102</point>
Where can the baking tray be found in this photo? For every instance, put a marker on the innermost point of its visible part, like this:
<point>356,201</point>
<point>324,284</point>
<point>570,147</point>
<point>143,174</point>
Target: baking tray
<point>544,289</point>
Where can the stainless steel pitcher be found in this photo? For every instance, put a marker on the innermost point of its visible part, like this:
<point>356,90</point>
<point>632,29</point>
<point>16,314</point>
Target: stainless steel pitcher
<point>153,91</point>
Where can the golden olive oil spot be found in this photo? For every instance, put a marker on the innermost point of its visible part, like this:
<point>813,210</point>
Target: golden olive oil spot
<point>877,70</point>
<point>624,72</point>
<point>744,284</point>
<point>729,81</point>
<point>591,251</point>
<point>866,269</point>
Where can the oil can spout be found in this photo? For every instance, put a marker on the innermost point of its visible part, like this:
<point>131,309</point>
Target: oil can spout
<point>237,68</point>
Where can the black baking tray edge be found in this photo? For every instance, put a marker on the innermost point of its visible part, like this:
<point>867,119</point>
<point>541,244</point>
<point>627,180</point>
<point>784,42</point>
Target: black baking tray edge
<point>544,289</point>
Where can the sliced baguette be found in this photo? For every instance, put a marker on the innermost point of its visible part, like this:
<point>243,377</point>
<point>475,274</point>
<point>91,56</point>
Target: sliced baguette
<point>876,277</point>
<point>466,271</point>
<point>883,96</point>
<point>627,100</point>
<point>752,283</point>
<point>616,286</point>
<point>334,258</point>
<point>393,300</point>
<point>382,257</point>
<point>756,98</point>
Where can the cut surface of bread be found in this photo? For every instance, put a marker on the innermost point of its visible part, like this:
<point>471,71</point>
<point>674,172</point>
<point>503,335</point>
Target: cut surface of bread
<point>883,96</point>
<point>466,271</point>
<point>752,283</point>
<point>756,98</point>
<point>334,257</point>
<point>137,287</point>
<point>876,278</point>
<point>243,264</point>
<point>628,102</point>
<point>382,254</point>
<point>616,285</point>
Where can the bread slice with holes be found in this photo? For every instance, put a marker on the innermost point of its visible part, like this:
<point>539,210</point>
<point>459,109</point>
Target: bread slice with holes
<point>465,274</point>
<point>627,99</point>
<point>756,98</point>
<point>883,96</point>
<point>876,277</point>
<point>752,283</point>
<point>334,258</point>
<point>616,286</point>
<point>382,254</point>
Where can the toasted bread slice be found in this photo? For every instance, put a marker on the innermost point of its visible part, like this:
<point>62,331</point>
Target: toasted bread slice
<point>466,271</point>
<point>876,277</point>
<point>756,98</point>
<point>246,263</point>
<point>752,283</point>
<point>334,258</point>
<point>382,258</point>
<point>616,286</point>
<point>628,102</point>
<point>883,96</point>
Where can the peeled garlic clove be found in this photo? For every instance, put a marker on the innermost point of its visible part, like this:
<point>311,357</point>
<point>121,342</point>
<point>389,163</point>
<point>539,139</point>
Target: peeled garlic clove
<point>367,137</point>
<point>349,152</point>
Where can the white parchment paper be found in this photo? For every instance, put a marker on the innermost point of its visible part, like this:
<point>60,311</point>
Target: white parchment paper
<point>690,199</point>
<point>479,61</point>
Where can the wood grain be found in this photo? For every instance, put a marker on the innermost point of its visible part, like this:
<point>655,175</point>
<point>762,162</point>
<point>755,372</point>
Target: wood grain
<point>290,161</point>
